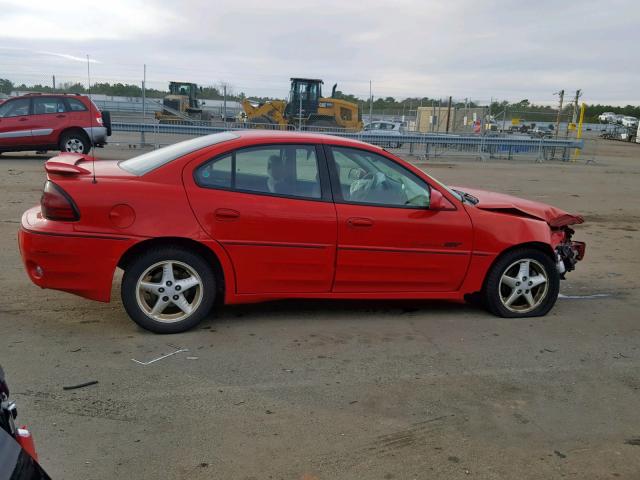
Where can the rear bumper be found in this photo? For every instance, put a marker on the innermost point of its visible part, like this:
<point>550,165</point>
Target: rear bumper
<point>97,134</point>
<point>81,264</point>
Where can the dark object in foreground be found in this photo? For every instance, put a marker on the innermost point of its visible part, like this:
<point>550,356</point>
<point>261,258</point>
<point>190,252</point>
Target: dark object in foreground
<point>80,385</point>
<point>18,459</point>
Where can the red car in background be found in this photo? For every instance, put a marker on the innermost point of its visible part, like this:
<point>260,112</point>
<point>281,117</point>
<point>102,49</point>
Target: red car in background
<point>250,216</point>
<point>70,123</point>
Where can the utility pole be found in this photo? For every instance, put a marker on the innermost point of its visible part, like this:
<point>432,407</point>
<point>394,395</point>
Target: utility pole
<point>224,103</point>
<point>54,83</point>
<point>144,104</point>
<point>448,113</point>
<point>574,118</point>
<point>299,106</point>
<point>561,93</point>
<point>433,114</point>
<point>370,102</point>
<point>484,122</point>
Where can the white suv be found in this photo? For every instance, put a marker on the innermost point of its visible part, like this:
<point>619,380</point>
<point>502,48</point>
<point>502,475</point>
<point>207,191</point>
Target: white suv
<point>629,121</point>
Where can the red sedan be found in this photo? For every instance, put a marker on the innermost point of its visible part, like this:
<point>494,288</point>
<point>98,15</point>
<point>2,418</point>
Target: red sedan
<point>240,217</point>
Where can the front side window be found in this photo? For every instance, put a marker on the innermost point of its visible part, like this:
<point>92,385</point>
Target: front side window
<point>369,178</point>
<point>288,170</point>
<point>44,105</point>
<point>14,108</point>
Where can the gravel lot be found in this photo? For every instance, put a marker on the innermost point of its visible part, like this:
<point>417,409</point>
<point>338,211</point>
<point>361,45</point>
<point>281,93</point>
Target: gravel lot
<point>345,390</point>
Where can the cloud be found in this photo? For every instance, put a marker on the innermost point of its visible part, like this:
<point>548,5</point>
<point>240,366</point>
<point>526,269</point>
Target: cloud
<point>71,57</point>
<point>465,48</point>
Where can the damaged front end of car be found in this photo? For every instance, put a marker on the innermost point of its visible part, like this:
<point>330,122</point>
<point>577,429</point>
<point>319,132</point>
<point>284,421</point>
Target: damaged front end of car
<point>568,252</point>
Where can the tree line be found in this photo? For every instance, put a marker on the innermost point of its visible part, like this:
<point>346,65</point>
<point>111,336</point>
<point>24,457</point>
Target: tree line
<point>499,109</point>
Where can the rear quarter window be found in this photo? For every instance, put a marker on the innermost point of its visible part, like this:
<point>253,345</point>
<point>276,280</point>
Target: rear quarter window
<point>76,105</point>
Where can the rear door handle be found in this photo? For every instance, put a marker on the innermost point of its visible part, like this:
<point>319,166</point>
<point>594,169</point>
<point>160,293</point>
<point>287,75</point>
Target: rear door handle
<point>226,214</point>
<point>360,222</point>
<point>61,116</point>
<point>23,119</point>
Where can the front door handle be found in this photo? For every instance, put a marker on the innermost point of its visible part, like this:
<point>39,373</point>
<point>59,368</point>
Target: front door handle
<point>360,222</point>
<point>226,214</point>
<point>23,119</point>
<point>61,116</point>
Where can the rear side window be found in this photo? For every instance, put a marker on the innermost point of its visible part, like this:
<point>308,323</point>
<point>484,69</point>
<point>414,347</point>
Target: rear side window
<point>15,108</point>
<point>216,174</point>
<point>287,170</point>
<point>44,105</point>
<point>76,105</point>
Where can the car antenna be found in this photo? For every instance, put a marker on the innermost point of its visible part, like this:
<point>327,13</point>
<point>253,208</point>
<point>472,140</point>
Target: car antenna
<point>92,149</point>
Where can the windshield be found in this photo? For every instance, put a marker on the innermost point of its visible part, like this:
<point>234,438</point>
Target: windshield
<point>148,162</point>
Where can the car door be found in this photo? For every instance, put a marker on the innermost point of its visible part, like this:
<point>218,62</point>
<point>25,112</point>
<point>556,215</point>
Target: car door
<point>388,238</point>
<point>270,207</point>
<point>49,117</point>
<point>15,125</point>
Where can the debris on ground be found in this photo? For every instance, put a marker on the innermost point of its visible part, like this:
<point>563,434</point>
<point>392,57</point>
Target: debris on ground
<point>80,385</point>
<point>180,350</point>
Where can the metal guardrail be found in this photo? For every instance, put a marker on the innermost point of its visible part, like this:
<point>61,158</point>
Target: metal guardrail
<point>427,144</point>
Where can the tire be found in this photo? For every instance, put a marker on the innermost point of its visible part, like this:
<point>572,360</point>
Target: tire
<point>106,121</point>
<point>75,142</point>
<point>162,288</point>
<point>507,277</point>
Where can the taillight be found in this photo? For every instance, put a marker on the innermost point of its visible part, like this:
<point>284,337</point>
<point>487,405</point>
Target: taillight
<point>99,119</point>
<point>56,204</point>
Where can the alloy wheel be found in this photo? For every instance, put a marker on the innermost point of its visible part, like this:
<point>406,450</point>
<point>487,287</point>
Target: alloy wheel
<point>74,145</point>
<point>523,285</point>
<point>169,291</point>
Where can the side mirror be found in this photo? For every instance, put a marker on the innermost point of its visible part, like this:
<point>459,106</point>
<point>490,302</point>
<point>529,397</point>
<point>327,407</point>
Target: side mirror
<point>438,202</point>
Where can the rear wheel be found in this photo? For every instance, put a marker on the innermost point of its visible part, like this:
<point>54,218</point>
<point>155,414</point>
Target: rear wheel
<point>168,290</point>
<point>522,283</point>
<point>75,142</point>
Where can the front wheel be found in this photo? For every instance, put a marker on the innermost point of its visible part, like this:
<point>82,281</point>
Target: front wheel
<point>522,283</point>
<point>168,290</point>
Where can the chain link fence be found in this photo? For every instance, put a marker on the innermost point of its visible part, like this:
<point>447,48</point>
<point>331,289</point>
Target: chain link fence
<point>445,128</point>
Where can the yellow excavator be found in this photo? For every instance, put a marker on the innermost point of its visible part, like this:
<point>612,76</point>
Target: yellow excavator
<point>306,109</point>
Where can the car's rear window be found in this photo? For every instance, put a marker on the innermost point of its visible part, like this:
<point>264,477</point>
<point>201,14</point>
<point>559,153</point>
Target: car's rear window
<point>148,162</point>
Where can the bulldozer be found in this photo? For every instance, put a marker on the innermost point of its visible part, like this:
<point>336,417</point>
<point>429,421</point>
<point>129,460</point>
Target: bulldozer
<point>182,104</point>
<point>306,109</point>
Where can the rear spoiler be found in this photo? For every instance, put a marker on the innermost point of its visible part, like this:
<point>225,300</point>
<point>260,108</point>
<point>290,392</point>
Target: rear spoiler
<point>68,164</point>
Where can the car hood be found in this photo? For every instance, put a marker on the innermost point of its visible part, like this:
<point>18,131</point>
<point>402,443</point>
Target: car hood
<point>507,204</point>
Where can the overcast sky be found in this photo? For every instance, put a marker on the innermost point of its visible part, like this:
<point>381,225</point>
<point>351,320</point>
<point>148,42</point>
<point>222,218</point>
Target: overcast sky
<point>466,48</point>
